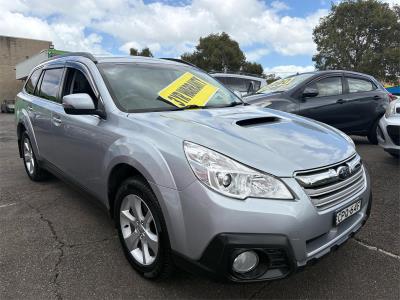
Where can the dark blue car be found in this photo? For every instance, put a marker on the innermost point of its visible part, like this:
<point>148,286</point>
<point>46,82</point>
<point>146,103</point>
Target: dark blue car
<point>352,102</point>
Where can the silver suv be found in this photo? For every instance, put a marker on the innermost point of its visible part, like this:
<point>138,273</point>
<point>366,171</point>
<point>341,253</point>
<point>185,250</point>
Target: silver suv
<point>192,176</point>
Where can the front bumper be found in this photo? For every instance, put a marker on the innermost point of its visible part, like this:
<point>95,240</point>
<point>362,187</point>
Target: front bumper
<point>209,228</point>
<point>275,251</point>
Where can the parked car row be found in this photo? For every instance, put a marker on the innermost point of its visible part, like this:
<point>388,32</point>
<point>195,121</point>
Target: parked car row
<point>191,175</point>
<point>7,106</point>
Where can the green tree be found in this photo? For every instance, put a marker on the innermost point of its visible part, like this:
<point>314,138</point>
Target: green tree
<point>360,35</point>
<point>217,52</point>
<point>133,52</point>
<point>252,68</point>
<point>145,52</point>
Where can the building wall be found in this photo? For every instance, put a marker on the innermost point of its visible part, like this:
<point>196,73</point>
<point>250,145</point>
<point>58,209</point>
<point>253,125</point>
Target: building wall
<point>12,51</point>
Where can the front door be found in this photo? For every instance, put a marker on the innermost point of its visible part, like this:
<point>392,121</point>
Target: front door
<point>80,140</point>
<point>329,106</point>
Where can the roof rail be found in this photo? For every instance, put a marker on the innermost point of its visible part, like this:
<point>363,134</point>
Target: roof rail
<point>83,54</point>
<point>180,61</point>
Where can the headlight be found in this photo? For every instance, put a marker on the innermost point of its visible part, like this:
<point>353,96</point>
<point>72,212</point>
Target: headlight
<point>391,109</point>
<point>231,178</point>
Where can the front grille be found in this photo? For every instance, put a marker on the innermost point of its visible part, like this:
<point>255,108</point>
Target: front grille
<point>331,185</point>
<point>394,133</point>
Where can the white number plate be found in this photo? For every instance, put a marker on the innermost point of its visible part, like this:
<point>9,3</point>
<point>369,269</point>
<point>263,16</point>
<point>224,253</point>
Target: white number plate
<point>347,212</point>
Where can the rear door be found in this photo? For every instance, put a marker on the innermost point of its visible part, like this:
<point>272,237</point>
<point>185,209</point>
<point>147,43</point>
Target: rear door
<point>46,100</point>
<point>328,106</point>
<point>363,100</point>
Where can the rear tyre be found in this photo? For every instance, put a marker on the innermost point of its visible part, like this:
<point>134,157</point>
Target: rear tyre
<point>142,230</point>
<point>373,134</point>
<point>32,168</point>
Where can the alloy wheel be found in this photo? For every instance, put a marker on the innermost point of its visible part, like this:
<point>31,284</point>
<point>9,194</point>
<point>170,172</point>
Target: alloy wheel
<point>139,230</point>
<point>28,156</point>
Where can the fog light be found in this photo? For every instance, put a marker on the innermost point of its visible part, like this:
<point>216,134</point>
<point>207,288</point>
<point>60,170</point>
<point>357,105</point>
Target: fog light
<point>245,262</point>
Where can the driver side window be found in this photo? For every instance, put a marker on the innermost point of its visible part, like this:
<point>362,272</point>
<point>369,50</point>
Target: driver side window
<point>77,83</point>
<point>330,86</point>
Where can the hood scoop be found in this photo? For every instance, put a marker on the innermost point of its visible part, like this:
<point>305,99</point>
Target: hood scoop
<point>257,121</point>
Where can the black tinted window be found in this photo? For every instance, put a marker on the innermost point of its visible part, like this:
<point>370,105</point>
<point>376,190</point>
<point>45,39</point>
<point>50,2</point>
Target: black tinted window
<point>50,84</point>
<point>32,81</point>
<point>330,86</point>
<point>237,84</point>
<point>221,79</point>
<point>357,85</point>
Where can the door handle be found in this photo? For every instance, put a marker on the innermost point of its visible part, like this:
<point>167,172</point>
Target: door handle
<point>56,120</point>
<point>376,97</point>
<point>341,101</point>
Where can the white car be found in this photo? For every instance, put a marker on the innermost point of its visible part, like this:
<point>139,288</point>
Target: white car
<point>389,129</point>
<point>241,83</point>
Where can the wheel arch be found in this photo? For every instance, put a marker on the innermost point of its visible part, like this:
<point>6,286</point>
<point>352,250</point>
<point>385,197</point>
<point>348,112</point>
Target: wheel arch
<point>118,174</point>
<point>20,130</point>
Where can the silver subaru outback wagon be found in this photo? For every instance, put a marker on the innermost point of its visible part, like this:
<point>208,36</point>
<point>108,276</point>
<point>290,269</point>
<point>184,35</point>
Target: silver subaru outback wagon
<point>192,176</point>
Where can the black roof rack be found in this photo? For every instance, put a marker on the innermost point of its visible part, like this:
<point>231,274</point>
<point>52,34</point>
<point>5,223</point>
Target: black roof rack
<point>83,54</point>
<point>180,61</point>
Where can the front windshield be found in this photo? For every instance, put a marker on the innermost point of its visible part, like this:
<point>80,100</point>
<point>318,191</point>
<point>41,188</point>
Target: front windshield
<point>136,87</point>
<point>284,84</point>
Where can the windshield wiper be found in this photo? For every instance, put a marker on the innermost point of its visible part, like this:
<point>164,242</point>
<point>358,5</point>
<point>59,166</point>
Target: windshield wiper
<point>274,92</point>
<point>194,106</point>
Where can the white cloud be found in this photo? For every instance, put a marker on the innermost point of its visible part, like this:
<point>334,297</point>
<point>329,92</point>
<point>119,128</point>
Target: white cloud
<point>256,54</point>
<point>63,36</point>
<point>164,28</point>
<point>279,5</point>
<point>284,71</point>
<point>391,2</point>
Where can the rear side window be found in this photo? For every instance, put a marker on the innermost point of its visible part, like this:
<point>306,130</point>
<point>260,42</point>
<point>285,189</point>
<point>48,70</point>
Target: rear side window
<point>357,85</point>
<point>32,81</point>
<point>330,86</point>
<point>51,84</point>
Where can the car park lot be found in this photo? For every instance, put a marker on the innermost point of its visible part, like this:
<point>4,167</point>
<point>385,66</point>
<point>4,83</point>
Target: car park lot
<point>55,242</point>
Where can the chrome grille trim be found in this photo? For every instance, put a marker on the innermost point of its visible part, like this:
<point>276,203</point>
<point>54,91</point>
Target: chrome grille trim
<point>336,186</point>
<point>326,188</point>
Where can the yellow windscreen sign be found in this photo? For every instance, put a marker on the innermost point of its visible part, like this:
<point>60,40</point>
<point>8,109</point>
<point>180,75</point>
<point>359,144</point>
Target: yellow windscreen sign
<point>188,90</point>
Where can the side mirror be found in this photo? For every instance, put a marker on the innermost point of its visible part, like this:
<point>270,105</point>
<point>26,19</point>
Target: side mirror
<point>310,92</point>
<point>80,104</point>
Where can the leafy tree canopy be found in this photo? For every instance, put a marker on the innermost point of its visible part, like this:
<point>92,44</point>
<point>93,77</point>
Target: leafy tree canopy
<point>218,52</point>
<point>360,35</point>
<point>145,52</point>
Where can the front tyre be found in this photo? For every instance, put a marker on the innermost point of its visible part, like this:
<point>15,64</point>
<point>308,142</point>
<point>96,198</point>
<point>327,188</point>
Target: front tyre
<point>32,168</point>
<point>142,230</point>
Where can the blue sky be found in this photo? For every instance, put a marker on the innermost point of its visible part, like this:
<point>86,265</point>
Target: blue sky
<point>275,33</point>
